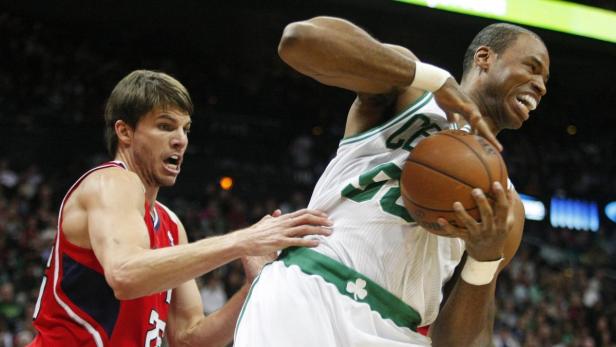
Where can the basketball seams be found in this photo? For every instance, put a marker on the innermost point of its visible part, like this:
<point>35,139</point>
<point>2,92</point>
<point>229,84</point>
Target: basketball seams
<point>441,172</point>
<point>485,166</point>
<point>434,209</point>
<point>444,174</point>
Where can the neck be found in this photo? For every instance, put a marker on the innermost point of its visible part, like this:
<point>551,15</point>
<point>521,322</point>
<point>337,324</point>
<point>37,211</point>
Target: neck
<point>470,89</point>
<point>151,189</point>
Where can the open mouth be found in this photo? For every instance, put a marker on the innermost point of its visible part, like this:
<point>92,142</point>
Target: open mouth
<point>526,101</point>
<point>173,162</point>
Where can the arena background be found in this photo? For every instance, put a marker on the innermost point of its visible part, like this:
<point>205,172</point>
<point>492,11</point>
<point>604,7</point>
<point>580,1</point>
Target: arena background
<point>273,131</point>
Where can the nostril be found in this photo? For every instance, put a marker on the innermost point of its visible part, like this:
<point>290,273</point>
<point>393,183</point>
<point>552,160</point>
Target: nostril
<point>539,87</point>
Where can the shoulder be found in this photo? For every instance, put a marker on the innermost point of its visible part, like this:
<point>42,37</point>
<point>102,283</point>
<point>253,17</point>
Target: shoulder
<point>371,110</point>
<point>113,182</point>
<point>396,100</point>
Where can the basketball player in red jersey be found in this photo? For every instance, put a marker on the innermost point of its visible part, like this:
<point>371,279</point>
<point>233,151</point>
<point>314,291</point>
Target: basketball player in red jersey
<point>113,278</point>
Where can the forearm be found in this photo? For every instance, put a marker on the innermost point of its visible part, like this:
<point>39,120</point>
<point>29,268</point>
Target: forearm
<point>485,336</point>
<point>142,272</point>
<point>465,316</point>
<point>337,52</point>
<point>216,329</point>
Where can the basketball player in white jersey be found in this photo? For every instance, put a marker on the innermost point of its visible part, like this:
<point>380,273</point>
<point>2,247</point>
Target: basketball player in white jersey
<point>378,281</point>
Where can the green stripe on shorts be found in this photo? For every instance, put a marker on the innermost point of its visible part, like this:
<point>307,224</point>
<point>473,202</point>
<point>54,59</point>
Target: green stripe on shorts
<point>354,285</point>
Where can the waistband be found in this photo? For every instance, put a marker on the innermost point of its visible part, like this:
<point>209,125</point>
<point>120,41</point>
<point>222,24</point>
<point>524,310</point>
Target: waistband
<point>353,284</point>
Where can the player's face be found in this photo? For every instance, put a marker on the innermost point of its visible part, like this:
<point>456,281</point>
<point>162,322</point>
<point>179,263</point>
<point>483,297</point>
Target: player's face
<point>160,140</point>
<point>517,81</point>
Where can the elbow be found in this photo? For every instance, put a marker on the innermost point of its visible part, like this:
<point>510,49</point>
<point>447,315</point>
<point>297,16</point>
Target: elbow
<point>295,39</point>
<point>122,285</point>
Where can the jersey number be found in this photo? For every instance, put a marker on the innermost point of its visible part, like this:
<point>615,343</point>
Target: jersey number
<point>370,182</point>
<point>156,333</point>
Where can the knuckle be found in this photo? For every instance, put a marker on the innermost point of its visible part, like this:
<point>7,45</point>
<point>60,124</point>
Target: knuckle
<point>474,118</point>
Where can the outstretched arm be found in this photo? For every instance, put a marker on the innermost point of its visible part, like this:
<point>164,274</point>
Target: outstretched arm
<point>467,317</point>
<point>113,201</point>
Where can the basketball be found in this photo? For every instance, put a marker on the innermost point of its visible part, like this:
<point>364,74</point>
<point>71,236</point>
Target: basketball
<point>445,168</point>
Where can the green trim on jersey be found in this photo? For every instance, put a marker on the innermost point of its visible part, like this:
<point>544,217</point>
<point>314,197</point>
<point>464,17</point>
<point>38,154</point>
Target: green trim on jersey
<point>354,285</point>
<point>419,103</point>
<point>252,286</point>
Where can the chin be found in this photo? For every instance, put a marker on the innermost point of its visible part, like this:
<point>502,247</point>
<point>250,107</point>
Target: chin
<point>512,120</point>
<point>166,182</point>
<point>515,125</point>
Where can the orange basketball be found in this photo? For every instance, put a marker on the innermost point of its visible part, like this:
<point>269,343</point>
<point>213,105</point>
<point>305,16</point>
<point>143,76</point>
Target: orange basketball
<point>445,168</point>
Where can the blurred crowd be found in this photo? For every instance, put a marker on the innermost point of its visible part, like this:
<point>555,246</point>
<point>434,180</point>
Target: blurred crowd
<point>53,87</point>
<point>559,291</point>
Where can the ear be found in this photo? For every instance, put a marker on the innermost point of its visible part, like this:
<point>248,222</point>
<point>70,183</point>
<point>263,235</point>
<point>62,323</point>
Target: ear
<point>484,57</point>
<point>124,132</point>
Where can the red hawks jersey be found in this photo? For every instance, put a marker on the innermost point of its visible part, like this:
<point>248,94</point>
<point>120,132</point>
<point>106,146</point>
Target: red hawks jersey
<point>76,306</point>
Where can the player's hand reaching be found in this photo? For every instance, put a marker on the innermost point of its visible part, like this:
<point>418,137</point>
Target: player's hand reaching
<point>485,240</point>
<point>455,103</point>
<point>279,231</point>
<point>254,264</point>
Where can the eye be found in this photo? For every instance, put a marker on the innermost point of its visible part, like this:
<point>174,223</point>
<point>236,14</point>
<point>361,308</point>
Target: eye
<point>531,67</point>
<point>165,127</point>
<point>186,131</point>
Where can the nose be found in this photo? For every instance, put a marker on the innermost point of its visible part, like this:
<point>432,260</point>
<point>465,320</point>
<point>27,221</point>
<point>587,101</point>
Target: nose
<point>179,141</point>
<point>538,85</point>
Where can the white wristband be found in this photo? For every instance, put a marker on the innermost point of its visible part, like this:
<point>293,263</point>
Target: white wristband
<point>429,77</point>
<point>479,272</point>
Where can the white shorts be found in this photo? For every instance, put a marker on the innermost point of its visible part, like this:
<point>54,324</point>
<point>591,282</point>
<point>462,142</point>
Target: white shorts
<point>287,307</point>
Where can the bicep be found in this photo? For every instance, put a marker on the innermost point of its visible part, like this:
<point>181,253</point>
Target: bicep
<point>115,208</point>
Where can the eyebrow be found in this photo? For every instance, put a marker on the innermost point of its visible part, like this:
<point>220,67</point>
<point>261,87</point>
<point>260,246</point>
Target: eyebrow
<point>542,65</point>
<point>172,119</point>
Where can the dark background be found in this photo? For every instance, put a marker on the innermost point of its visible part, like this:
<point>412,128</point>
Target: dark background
<point>261,105</point>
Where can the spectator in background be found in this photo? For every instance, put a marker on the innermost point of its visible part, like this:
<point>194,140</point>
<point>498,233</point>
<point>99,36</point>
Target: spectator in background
<point>212,292</point>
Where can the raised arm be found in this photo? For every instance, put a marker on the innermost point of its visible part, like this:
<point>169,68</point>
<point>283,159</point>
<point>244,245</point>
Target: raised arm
<point>113,200</point>
<point>338,53</point>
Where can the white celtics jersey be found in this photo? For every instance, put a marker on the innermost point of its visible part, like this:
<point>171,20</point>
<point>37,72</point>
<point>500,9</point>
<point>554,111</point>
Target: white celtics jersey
<point>373,233</point>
